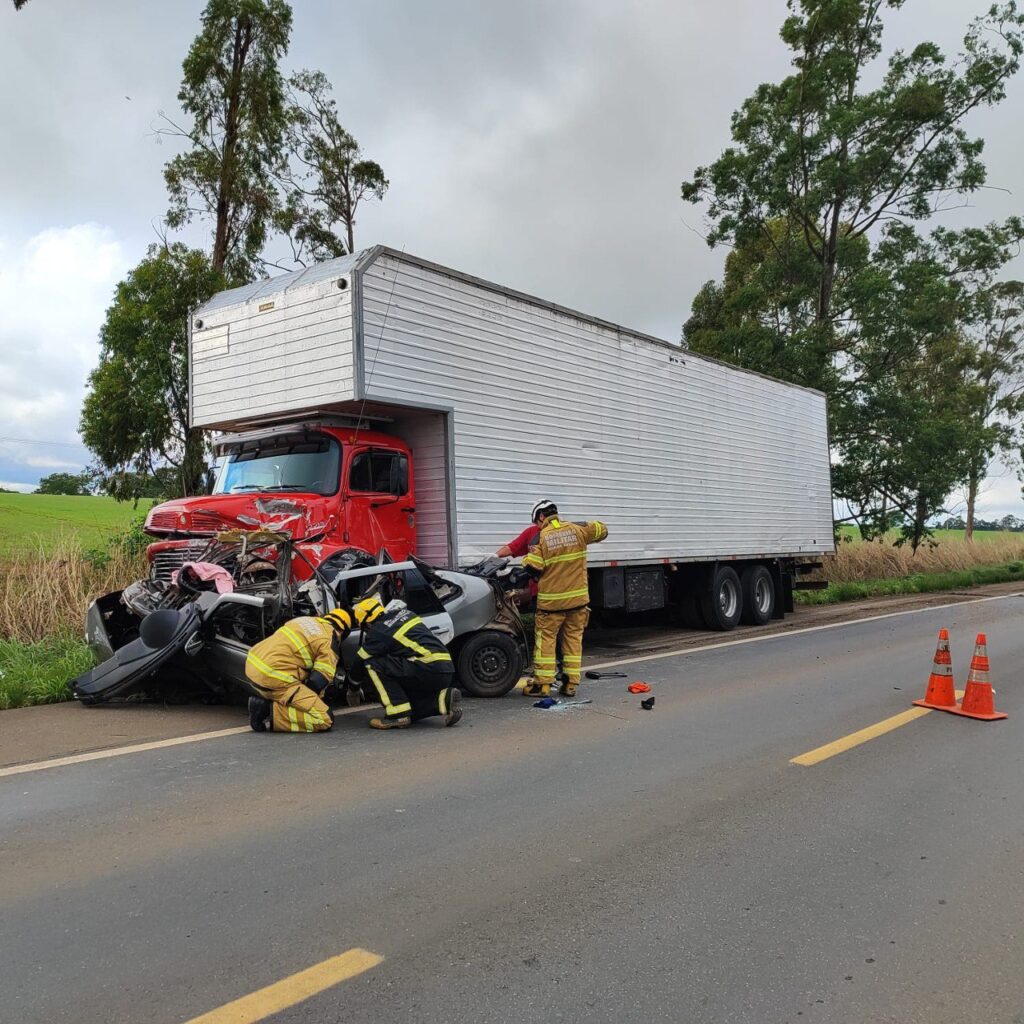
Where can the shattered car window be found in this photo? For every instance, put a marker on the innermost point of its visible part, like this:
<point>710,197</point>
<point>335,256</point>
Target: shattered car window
<point>301,465</point>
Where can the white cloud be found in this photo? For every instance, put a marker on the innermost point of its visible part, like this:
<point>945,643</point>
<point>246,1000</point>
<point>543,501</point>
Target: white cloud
<point>54,289</point>
<point>14,485</point>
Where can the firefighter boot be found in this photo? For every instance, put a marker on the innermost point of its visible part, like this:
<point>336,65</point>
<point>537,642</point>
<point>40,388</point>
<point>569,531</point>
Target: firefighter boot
<point>454,707</point>
<point>536,689</point>
<point>391,723</point>
<point>259,714</point>
<point>567,689</point>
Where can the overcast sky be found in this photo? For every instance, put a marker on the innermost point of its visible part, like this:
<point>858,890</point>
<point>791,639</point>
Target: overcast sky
<point>540,144</point>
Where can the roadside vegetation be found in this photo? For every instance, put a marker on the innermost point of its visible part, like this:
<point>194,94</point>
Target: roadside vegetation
<point>863,569</point>
<point>29,522</point>
<point>44,591</point>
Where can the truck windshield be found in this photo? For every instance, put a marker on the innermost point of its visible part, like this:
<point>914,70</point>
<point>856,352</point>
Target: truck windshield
<point>281,464</point>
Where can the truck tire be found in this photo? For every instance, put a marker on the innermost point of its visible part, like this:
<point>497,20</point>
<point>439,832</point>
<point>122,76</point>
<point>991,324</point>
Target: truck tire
<point>758,595</point>
<point>488,664</point>
<point>722,603</point>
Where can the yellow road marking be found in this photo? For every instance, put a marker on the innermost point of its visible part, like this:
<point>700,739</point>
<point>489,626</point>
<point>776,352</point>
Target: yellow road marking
<point>855,739</point>
<point>292,990</point>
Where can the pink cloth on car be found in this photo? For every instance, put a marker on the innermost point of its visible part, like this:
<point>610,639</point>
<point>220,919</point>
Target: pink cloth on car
<point>206,571</point>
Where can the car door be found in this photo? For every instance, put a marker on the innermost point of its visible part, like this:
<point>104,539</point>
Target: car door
<point>380,502</point>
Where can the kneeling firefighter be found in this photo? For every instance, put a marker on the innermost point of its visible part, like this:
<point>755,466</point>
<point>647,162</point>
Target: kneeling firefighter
<point>291,669</point>
<point>409,667</point>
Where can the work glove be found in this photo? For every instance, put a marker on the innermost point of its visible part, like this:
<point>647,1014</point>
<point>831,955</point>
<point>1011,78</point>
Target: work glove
<point>317,681</point>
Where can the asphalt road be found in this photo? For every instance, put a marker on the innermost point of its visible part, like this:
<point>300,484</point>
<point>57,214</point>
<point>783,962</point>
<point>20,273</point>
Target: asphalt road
<point>598,864</point>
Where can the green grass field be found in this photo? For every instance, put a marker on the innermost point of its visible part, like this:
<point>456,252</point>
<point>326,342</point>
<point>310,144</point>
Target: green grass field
<point>938,535</point>
<point>28,521</point>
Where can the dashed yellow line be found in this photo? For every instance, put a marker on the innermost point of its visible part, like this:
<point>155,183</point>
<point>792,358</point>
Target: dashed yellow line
<point>855,739</point>
<point>292,990</point>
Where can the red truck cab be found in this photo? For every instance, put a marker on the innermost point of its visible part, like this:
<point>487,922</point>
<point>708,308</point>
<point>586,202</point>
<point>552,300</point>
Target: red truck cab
<point>342,488</point>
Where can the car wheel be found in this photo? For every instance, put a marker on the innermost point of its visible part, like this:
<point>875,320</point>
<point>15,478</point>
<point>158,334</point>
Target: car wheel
<point>758,595</point>
<point>722,604</point>
<point>489,664</point>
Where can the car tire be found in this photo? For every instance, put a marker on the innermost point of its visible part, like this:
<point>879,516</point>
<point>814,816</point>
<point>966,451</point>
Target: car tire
<point>758,595</point>
<point>488,664</point>
<point>722,604</point>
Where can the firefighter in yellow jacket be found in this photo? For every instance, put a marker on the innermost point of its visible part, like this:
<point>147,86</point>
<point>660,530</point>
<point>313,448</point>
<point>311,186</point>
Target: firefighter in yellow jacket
<point>291,669</point>
<point>559,560</point>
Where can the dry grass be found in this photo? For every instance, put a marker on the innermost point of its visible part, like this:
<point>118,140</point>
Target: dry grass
<point>860,561</point>
<point>44,592</point>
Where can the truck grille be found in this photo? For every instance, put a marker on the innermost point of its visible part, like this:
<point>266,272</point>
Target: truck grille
<point>200,521</point>
<point>163,521</point>
<point>166,562</point>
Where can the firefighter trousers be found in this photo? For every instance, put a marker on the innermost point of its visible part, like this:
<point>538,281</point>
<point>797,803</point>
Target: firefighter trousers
<point>549,627</point>
<point>408,690</point>
<point>296,708</point>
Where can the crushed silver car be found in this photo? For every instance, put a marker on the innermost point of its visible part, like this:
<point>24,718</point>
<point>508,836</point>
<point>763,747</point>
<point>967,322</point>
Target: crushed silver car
<point>187,638</point>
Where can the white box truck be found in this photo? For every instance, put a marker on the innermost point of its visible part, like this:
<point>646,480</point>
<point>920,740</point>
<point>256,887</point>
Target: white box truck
<point>405,407</point>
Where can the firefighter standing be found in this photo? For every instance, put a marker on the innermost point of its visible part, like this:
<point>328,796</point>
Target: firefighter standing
<point>409,667</point>
<point>559,560</point>
<point>291,669</point>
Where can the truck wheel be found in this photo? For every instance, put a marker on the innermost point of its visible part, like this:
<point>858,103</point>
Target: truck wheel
<point>758,595</point>
<point>489,664</point>
<point>722,605</point>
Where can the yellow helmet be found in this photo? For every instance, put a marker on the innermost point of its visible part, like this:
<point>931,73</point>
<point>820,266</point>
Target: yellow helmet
<point>340,619</point>
<point>367,609</point>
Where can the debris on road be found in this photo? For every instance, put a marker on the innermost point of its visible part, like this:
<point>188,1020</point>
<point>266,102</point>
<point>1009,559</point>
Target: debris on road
<point>564,705</point>
<point>648,704</point>
<point>638,687</point>
<point>553,704</point>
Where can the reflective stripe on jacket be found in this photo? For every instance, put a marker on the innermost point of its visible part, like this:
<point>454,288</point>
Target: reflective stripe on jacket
<point>299,647</point>
<point>560,556</point>
<point>398,632</point>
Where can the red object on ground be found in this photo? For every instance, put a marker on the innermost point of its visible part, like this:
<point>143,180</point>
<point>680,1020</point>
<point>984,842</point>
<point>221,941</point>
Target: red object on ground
<point>978,700</point>
<point>941,693</point>
<point>638,687</point>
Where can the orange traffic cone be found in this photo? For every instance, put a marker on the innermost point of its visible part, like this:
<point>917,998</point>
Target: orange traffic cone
<point>978,701</point>
<point>940,694</point>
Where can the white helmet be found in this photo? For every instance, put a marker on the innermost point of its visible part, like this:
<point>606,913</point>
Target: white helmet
<point>544,507</point>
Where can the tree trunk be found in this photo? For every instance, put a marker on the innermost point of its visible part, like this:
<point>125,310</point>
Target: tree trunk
<point>920,519</point>
<point>222,241</point>
<point>972,498</point>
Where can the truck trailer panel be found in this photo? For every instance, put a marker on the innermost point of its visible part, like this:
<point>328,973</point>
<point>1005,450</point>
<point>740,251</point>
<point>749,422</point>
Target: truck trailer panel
<point>504,398</point>
<point>281,344</point>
